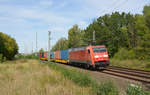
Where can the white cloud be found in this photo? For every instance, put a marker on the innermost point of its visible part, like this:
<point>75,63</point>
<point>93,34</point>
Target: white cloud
<point>44,16</point>
<point>27,14</point>
<point>31,17</point>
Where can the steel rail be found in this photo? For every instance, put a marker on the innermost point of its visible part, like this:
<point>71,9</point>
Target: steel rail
<point>133,74</point>
<point>133,70</point>
<point>137,75</point>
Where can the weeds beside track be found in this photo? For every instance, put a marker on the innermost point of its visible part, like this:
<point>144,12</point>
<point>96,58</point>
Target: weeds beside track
<point>104,88</point>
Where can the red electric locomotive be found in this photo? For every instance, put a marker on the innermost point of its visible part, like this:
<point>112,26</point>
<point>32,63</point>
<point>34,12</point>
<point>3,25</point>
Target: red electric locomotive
<point>90,56</point>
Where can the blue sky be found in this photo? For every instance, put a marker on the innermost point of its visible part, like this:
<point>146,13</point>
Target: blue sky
<point>21,19</point>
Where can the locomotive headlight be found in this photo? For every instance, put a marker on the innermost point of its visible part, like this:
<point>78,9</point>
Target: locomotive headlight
<point>96,56</point>
<point>105,55</point>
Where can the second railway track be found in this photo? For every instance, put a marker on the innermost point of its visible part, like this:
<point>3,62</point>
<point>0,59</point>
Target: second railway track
<point>137,75</point>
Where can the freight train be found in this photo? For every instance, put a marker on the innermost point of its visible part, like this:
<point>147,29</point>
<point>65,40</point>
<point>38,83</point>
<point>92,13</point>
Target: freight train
<point>90,57</point>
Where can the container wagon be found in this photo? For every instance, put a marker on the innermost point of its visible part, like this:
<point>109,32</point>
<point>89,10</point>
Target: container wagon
<point>44,56</point>
<point>57,56</point>
<point>52,58</point>
<point>64,56</point>
<point>41,55</point>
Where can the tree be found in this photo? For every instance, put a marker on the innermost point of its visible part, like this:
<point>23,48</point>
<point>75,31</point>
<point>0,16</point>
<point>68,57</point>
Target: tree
<point>143,37</point>
<point>61,44</point>
<point>111,30</point>
<point>116,31</point>
<point>41,50</point>
<point>146,13</point>
<point>8,46</point>
<point>74,37</point>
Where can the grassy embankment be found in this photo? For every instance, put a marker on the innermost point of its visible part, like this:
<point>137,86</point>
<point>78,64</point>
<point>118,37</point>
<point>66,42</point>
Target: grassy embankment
<point>106,88</point>
<point>30,77</point>
<point>84,80</point>
<point>129,59</point>
<point>27,77</point>
<point>131,63</point>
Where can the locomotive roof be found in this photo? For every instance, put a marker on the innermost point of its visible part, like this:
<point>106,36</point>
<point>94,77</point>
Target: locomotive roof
<point>83,48</point>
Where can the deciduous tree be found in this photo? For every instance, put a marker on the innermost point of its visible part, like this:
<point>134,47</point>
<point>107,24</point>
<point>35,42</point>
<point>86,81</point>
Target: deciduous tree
<point>8,46</point>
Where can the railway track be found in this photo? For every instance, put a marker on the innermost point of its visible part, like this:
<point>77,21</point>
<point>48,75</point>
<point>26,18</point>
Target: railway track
<point>133,74</point>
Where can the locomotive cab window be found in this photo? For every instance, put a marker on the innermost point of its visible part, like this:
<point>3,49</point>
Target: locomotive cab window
<point>99,50</point>
<point>88,51</point>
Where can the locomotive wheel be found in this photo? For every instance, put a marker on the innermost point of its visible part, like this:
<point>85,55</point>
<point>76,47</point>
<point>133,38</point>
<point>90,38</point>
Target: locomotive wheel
<point>86,66</point>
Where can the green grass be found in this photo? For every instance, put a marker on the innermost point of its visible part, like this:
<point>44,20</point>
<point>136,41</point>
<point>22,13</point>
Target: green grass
<point>136,90</point>
<point>131,63</point>
<point>79,78</point>
<point>107,88</point>
<point>29,77</point>
<point>84,80</point>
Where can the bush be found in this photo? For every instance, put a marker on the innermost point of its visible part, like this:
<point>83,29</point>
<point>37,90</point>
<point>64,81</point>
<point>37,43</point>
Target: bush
<point>136,90</point>
<point>31,56</point>
<point>148,65</point>
<point>4,59</point>
<point>107,89</point>
<point>1,58</point>
<point>8,46</point>
<point>79,78</point>
<point>123,54</point>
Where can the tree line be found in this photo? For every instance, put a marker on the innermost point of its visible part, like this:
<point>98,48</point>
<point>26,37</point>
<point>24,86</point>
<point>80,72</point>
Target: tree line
<point>120,32</point>
<point>8,47</point>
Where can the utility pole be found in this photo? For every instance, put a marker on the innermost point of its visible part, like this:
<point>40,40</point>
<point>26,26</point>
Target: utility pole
<point>24,48</point>
<point>36,43</point>
<point>49,38</point>
<point>94,42</point>
<point>32,48</point>
<point>49,33</point>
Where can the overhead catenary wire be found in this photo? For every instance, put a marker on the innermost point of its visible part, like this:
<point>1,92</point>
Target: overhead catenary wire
<point>114,5</point>
<point>120,5</point>
<point>115,2</point>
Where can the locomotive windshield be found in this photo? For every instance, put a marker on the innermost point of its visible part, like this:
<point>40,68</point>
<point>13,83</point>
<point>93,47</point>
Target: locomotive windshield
<point>99,50</point>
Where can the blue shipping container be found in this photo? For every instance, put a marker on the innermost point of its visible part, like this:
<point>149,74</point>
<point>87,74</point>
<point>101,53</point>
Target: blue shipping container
<point>52,55</point>
<point>64,54</point>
